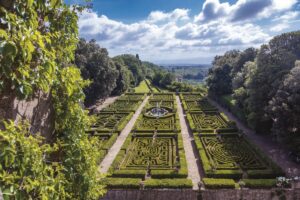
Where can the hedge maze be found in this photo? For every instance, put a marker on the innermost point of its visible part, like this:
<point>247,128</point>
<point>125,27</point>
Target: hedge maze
<point>210,122</point>
<point>190,96</point>
<point>144,152</point>
<point>231,153</point>
<point>163,97</point>
<point>227,156</point>
<point>198,105</point>
<point>153,156</point>
<point>153,151</point>
<point>123,105</point>
<point>167,123</point>
<point>112,120</point>
<point>132,97</point>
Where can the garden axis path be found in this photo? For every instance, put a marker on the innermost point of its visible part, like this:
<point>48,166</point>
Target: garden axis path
<point>113,151</point>
<point>193,171</point>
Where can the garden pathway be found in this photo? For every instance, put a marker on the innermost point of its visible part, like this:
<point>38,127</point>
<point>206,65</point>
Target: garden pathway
<point>113,151</point>
<point>99,106</point>
<point>193,171</point>
<point>278,153</point>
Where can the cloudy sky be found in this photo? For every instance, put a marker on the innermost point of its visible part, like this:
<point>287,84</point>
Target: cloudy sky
<point>185,31</point>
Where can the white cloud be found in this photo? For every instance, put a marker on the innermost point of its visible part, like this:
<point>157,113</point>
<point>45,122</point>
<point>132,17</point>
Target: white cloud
<point>283,4</point>
<point>279,27</point>
<point>175,35</point>
<point>242,9</point>
<point>287,16</point>
<point>177,14</point>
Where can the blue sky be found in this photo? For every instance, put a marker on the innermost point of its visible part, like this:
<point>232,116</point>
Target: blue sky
<point>185,31</point>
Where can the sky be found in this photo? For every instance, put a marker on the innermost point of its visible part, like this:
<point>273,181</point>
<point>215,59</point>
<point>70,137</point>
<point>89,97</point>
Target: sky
<point>185,31</point>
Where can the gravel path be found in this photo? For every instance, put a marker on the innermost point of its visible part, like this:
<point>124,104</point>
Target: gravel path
<point>193,170</point>
<point>113,151</point>
<point>274,150</point>
<point>106,103</point>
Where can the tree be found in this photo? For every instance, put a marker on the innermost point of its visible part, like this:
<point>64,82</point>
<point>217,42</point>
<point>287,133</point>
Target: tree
<point>167,79</point>
<point>95,65</point>
<point>274,61</point>
<point>124,79</point>
<point>219,80</point>
<point>157,78</point>
<point>134,65</point>
<point>285,110</point>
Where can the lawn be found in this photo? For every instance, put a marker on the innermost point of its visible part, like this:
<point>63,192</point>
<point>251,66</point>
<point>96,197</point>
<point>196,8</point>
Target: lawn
<point>142,87</point>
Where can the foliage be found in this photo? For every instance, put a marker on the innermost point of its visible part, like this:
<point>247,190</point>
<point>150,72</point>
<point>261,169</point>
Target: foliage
<point>38,40</point>
<point>25,172</point>
<point>262,85</point>
<point>285,110</point>
<point>134,64</point>
<point>123,80</point>
<point>163,79</point>
<point>219,80</point>
<point>95,65</point>
<point>180,87</point>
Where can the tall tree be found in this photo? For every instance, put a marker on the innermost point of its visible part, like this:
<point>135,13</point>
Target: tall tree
<point>285,110</point>
<point>274,61</point>
<point>95,65</point>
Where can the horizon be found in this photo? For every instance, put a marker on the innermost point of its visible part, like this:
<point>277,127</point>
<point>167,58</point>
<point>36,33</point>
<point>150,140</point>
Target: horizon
<point>180,32</point>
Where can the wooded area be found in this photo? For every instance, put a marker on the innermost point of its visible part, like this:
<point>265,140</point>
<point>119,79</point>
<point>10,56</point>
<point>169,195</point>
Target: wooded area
<point>262,86</point>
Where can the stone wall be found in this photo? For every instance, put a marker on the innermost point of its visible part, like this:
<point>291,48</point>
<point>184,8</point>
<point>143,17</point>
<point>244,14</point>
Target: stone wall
<point>221,194</point>
<point>38,111</point>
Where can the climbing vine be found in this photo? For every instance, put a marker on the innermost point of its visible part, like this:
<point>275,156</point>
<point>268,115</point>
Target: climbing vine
<point>37,44</point>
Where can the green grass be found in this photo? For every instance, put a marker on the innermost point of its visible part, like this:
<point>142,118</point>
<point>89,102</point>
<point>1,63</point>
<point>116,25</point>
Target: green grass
<point>142,87</point>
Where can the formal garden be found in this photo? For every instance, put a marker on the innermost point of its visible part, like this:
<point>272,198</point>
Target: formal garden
<point>228,158</point>
<point>152,155</point>
<point>112,120</point>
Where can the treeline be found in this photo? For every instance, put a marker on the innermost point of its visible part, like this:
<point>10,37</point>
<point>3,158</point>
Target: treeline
<point>110,76</point>
<point>262,87</point>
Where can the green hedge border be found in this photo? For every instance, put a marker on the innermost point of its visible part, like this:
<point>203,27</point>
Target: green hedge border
<point>168,183</point>
<point>212,183</point>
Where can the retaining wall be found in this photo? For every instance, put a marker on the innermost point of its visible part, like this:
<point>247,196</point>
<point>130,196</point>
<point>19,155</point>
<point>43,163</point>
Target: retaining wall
<point>221,194</point>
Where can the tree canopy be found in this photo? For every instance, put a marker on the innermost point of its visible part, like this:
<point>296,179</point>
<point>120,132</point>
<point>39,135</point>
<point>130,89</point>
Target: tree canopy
<point>264,86</point>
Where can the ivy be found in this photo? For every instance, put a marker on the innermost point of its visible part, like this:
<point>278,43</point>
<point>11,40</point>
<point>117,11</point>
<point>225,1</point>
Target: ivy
<point>37,44</point>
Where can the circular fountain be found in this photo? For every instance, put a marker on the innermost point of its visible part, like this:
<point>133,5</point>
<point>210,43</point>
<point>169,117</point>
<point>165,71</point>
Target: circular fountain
<point>157,111</point>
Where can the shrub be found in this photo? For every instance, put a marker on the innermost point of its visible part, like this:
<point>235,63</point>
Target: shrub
<point>122,183</point>
<point>212,183</point>
<point>259,183</point>
<point>168,183</point>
